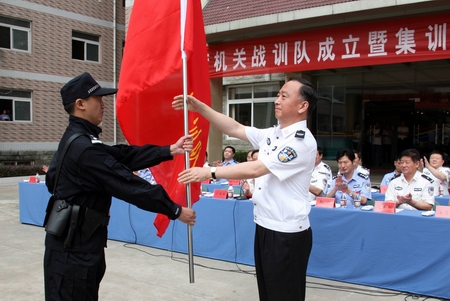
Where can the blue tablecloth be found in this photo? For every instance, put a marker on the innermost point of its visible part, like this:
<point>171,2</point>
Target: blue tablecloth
<point>33,199</point>
<point>214,186</point>
<point>404,251</point>
<point>377,196</point>
<point>442,200</point>
<point>224,229</point>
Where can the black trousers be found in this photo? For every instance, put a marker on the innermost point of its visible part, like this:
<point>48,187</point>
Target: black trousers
<point>73,276</point>
<point>281,260</point>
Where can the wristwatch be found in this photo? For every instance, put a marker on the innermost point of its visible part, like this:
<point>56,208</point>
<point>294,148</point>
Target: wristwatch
<point>213,172</point>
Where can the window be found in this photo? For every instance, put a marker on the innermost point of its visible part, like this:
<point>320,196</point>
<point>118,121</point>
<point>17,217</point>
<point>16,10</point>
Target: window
<point>253,105</point>
<point>15,34</point>
<point>85,47</point>
<point>15,105</point>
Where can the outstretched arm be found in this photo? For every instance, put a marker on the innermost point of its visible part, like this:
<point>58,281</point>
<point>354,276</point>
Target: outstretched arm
<point>187,216</point>
<point>245,170</point>
<point>184,144</point>
<point>222,122</point>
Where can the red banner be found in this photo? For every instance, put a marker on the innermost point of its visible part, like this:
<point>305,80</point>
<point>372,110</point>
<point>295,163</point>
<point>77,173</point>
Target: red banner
<point>151,75</point>
<point>406,40</point>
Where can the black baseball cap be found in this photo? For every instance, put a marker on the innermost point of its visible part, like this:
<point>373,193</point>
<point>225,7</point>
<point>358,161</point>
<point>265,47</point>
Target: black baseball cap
<point>83,86</point>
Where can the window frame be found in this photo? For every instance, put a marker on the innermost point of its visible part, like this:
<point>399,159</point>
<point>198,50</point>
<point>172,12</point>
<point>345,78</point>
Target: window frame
<point>85,45</point>
<point>252,100</point>
<point>13,27</point>
<point>14,100</point>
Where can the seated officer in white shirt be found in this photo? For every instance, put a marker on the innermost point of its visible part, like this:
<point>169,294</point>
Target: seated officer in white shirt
<point>412,190</point>
<point>358,164</point>
<point>320,178</point>
<point>435,170</point>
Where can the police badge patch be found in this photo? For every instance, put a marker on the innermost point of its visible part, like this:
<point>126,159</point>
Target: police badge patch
<point>431,191</point>
<point>287,154</point>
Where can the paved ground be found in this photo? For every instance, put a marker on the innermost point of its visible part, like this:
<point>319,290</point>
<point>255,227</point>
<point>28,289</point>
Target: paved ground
<point>136,272</point>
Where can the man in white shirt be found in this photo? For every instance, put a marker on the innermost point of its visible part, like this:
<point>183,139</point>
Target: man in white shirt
<point>320,178</point>
<point>412,190</point>
<point>358,164</point>
<point>376,145</point>
<point>402,137</point>
<point>436,171</point>
<point>287,152</point>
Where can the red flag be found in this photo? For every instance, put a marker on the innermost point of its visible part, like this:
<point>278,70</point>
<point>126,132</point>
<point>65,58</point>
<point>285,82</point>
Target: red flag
<point>151,75</point>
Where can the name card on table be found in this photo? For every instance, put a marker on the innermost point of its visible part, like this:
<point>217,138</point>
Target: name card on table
<point>383,189</point>
<point>234,182</point>
<point>32,179</point>
<point>443,211</point>
<point>220,194</point>
<point>385,207</point>
<point>324,202</point>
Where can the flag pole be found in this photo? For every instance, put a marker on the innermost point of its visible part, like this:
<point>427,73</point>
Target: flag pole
<point>183,7</point>
<point>187,165</point>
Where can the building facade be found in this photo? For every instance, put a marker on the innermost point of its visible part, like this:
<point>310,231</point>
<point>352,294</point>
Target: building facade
<point>372,62</point>
<point>43,44</point>
<point>382,62</point>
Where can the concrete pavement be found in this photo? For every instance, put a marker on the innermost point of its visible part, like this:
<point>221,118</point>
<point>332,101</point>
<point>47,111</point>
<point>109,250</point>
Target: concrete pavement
<point>137,272</point>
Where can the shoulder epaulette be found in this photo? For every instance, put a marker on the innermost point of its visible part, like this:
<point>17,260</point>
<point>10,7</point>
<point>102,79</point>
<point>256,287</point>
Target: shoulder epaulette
<point>326,166</point>
<point>394,177</point>
<point>95,140</point>
<point>428,178</point>
<point>300,134</point>
<point>363,175</point>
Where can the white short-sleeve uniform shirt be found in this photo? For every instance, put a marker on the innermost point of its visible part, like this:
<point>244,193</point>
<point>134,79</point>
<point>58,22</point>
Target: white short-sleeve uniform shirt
<point>363,170</point>
<point>437,181</point>
<point>280,198</point>
<point>420,187</point>
<point>320,178</point>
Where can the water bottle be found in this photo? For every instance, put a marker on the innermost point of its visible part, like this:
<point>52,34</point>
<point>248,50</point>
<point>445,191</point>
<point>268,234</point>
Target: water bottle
<point>343,200</point>
<point>38,178</point>
<point>441,189</point>
<point>230,192</point>
<point>357,201</point>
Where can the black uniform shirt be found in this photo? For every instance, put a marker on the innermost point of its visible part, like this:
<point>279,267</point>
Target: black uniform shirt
<point>92,173</point>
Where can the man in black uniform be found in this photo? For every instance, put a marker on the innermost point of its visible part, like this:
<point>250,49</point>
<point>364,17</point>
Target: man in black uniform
<point>91,173</point>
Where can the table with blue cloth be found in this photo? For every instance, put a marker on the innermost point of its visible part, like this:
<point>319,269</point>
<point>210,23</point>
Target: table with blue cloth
<point>440,200</point>
<point>377,196</point>
<point>33,199</point>
<point>213,186</point>
<point>404,251</point>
